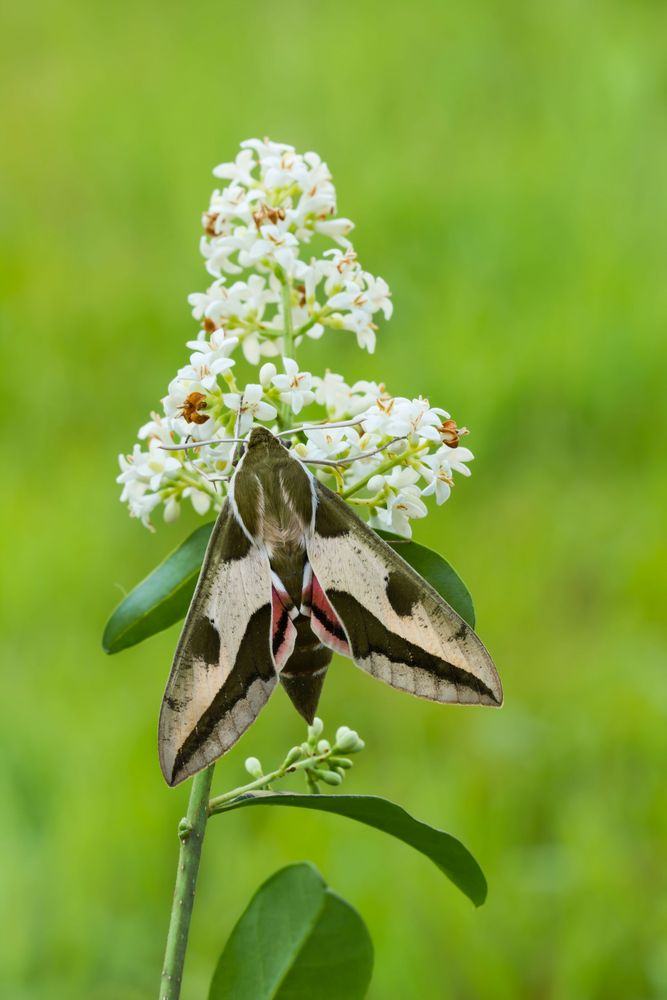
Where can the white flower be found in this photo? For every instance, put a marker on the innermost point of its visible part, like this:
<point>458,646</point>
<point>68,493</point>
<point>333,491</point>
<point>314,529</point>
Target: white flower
<point>266,373</point>
<point>439,481</point>
<point>218,253</point>
<point>142,506</point>
<point>201,501</point>
<point>240,170</point>
<point>155,465</point>
<point>457,457</point>
<point>254,347</point>
<point>143,473</point>
<point>359,323</point>
<point>337,229</point>
<point>364,395</point>
<point>396,481</point>
<point>294,386</point>
<point>333,392</point>
<point>378,295</point>
<point>380,418</point>
<point>156,428</point>
<point>273,201</point>
<point>438,469</point>
<point>209,359</point>
<point>329,442</point>
<point>250,405</point>
<point>417,418</point>
<point>275,242</point>
<point>401,417</point>
<point>404,507</point>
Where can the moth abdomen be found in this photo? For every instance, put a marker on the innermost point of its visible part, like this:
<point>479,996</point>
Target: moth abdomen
<point>305,671</point>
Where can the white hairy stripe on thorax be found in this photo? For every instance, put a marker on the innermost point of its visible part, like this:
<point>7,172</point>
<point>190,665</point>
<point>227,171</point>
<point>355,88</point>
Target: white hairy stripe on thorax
<point>232,501</point>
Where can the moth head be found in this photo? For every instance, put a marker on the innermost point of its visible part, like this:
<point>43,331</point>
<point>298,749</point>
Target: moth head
<point>261,438</point>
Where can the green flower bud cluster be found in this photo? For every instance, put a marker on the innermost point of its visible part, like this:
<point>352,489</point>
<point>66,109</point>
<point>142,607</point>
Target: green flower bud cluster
<point>322,761</point>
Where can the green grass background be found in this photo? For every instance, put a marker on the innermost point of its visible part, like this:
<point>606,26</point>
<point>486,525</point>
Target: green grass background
<point>506,168</point>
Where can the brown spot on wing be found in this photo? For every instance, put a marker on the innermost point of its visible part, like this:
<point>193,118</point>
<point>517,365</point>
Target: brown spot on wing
<point>204,642</point>
<point>402,592</point>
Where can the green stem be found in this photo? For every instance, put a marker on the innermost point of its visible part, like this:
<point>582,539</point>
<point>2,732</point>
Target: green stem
<point>218,803</point>
<point>309,324</point>
<point>381,469</point>
<point>191,834</point>
<point>288,341</point>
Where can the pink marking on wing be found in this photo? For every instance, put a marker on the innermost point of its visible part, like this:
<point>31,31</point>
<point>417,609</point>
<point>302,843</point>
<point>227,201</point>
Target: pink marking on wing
<point>325,623</point>
<point>283,632</point>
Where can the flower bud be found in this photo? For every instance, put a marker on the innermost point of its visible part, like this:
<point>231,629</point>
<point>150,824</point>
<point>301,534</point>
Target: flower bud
<point>329,777</point>
<point>296,753</point>
<point>397,447</point>
<point>253,767</point>
<point>323,746</point>
<point>315,731</point>
<point>266,373</point>
<point>348,741</point>
<point>340,762</point>
<point>172,509</point>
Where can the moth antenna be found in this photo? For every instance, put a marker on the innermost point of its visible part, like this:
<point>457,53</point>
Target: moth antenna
<point>348,461</point>
<point>200,444</point>
<point>320,427</point>
<point>189,464</point>
<point>237,453</point>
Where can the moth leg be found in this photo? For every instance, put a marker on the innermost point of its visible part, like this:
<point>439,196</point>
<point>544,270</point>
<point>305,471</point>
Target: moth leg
<point>283,613</point>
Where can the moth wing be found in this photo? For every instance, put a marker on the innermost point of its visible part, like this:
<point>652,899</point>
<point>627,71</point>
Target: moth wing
<point>369,604</point>
<point>223,671</point>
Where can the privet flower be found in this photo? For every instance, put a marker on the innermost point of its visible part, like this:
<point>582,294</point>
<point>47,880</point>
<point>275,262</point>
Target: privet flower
<point>268,293</point>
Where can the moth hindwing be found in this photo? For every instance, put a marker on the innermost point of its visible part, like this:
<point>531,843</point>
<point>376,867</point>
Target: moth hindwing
<point>291,575</point>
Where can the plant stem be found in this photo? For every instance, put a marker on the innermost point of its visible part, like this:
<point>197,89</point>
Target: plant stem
<point>381,469</point>
<point>218,803</point>
<point>309,324</point>
<point>191,834</point>
<point>288,341</point>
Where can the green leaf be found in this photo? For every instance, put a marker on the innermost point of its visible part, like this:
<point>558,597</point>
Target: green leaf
<point>449,854</point>
<point>296,940</point>
<point>438,572</point>
<point>163,598</point>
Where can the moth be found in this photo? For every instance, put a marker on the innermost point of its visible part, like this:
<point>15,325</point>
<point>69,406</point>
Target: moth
<point>290,576</point>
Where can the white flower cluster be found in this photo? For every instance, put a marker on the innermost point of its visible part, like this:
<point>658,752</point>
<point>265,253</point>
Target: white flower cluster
<point>392,452</point>
<point>276,201</point>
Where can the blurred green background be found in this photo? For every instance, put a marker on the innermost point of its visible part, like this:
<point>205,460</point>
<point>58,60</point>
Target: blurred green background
<point>505,165</point>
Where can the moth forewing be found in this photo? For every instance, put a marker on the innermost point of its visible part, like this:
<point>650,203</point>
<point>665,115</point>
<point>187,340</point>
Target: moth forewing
<point>223,672</point>
<point>397,627</point>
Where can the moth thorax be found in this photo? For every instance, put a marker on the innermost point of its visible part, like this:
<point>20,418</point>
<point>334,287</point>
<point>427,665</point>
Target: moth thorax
<point>285,532</point>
